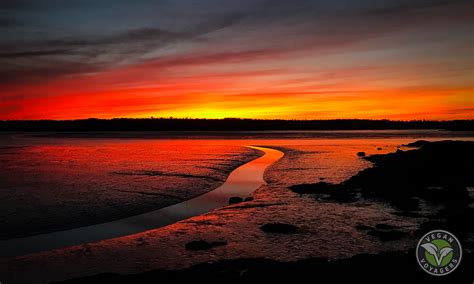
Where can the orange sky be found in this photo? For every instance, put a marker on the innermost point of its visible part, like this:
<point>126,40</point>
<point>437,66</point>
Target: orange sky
<point>348,64</point>
<point>134,91</point>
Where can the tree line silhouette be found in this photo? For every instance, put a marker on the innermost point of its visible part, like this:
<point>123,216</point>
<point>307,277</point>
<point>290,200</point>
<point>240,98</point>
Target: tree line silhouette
<point>226,124</point>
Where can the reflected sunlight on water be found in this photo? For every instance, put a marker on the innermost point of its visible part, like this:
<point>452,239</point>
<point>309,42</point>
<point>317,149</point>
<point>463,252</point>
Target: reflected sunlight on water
<point>50,184</point>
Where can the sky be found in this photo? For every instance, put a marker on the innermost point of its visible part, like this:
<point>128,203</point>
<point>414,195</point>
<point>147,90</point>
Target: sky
<point>319,59</point>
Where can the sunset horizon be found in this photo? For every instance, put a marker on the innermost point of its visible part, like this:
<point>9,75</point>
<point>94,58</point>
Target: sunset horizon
<point>239,118</point>
<point>254,59</point>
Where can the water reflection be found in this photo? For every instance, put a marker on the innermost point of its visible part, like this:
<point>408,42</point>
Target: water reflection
<point>241,182</point>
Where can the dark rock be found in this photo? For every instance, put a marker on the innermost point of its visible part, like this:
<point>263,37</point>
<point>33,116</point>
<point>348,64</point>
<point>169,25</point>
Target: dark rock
<point>404,203</point>
<point>388,235</point>
<point>384,232</point>
<point>203,245</point>
<point>417,144</point>
<point>342,196</point>
<point>279,228</point>
<point>429,226</point>
<point>379,148</point>
<point>332,192</point>
<point>453,218</point>
<point>249,198</point>
<point>438,171</point>
<point>384,227</point>
<point>437,174</point>
<point>410,214</point>
<point>235,200</point>
<point>361,154</point>
<point>363,228</point>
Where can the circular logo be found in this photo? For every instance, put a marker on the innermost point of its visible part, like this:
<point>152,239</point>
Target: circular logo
<point>439,252</point>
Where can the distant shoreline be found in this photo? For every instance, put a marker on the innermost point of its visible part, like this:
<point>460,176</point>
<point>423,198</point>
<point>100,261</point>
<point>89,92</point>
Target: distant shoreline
<point>227,124</point>
<point>242,134</point>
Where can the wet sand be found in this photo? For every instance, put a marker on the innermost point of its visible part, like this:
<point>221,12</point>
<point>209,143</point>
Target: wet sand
<point>329,224</point>
<point>326,228</point>
<point>55,185</point>
<point>240,184</point>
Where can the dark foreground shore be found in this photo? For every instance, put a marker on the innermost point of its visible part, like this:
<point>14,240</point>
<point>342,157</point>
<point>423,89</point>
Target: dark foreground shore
<point>393,267</point>
<point>432,183</point>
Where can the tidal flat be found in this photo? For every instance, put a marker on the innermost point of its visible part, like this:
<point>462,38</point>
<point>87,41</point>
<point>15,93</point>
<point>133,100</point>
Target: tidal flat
<point>324,227</point>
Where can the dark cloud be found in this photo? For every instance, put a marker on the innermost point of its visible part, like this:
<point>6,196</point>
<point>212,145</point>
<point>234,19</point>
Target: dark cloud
<point>70,55</point>
<point>130,36</point>
<point>216,57</point>
<point>54,69</point>
<point>254,27</point>
<point>216,23</point>
<point>34,53</point>
<point>408,6</point>
<point>6,22</point>
<point>17,4</point>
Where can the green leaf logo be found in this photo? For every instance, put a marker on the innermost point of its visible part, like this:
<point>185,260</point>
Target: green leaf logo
<point>438,255</point>
<point>438,252</point>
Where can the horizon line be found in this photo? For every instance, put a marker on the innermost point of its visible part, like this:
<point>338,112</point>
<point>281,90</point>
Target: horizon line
<point>237,118</point>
